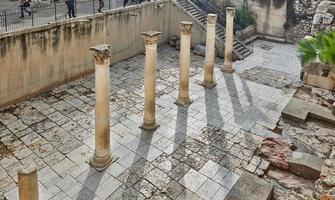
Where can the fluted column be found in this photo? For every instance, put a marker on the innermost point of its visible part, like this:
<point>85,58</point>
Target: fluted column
<point>184,63</point>
<point>102,156</point>
<point>228,60</point>
<point>210,52</point>
<point>28,183</point>
<point>150,40</point>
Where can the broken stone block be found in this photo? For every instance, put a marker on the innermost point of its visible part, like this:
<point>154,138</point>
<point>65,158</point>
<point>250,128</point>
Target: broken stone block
<point>250,187</point>
<point>277,151</point>
<point>333,108</point>
<point>306,164</point>
<point>292,182</point>
<point>177,45</point>
<point>200,50</point>
<point>172,41</point>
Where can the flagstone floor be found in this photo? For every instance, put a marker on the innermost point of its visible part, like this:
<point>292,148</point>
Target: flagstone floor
<point>197,152</point>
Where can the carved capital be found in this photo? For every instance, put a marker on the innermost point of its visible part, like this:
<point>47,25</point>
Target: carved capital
<point>101,53</point>
<point>186,27</point>
<point>151,37</point>
<point>230,11</point>
<point>211,18</point>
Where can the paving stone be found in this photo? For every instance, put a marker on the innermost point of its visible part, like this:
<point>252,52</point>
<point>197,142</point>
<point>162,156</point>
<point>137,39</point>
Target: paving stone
<point>165,163</point>
<point>179,171</point>
<point>65,183</point>
<point>192,180</point>
<point>188,194</point>
<point>64,167</point>
<point>210,169</point>
<point>208,189</point>
<point>128,178</point>
<point>173,189</point>
<point>48,177</point>
<point>107,188</point>
<point>146,188</point>
<point>221,194</point>
<point>158,178</point>
<point>141,167</point>
<point>115,169</point>
<point>250,187</point>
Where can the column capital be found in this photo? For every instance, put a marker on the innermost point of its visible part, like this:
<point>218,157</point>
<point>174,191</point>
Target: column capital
<point>230,10</point>
<point>211,18</point>
<point>186,27</point>
<point>101,53</point>
<point>151,37</point>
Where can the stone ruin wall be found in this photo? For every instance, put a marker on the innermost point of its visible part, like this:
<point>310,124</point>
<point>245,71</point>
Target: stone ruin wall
<point>310,19</point>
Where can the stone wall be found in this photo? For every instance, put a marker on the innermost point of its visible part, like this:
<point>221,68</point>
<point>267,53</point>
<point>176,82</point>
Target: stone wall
<point>270,17</point>
<point>304,11</point>
<point>324,17</point>
<point>39,58</point>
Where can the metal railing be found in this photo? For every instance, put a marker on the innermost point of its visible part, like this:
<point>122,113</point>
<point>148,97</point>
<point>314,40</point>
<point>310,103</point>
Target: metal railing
<point>43,14</point>
<point>207,7</point>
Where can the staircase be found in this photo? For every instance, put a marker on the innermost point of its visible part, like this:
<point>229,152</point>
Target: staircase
<point>240,50</point>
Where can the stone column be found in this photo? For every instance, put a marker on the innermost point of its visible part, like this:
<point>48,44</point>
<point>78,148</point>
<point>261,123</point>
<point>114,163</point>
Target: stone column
<point>102,156</point>
<point>149,120</point>
<point>28,183</point>
<point>184,63</point>
<point>210,52</point>
<point>228,61</point>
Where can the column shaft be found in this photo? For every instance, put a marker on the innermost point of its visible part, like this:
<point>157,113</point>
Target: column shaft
<point>228,61</point>
<point>210,52</point>
<point>28,183</point>
<point>150,85</point>
<point>102,156</point>
<point>184,64</point>
<point>149,120</point>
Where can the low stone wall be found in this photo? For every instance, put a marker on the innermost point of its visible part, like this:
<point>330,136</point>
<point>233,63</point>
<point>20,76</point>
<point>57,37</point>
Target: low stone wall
<point>40,58</point>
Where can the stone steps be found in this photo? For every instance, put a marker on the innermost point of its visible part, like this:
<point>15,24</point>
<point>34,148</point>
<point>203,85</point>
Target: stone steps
<point>250,187</point>
<point>240,50</point>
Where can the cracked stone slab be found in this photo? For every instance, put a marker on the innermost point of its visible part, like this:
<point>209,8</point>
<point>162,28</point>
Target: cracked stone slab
<point>306,164</point>
<point>250,187</point>
<point>298,110</point>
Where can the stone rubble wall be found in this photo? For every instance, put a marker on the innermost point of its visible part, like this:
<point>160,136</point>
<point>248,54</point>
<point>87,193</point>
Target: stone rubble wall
<point>324,17</point>
<point>312,16</point>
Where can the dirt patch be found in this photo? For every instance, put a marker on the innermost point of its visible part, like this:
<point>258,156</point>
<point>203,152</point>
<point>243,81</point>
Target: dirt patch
<point>273,78</point>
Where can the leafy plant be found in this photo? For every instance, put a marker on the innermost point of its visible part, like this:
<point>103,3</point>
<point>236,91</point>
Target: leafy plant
<point>318,49</point>
<point>243,17</point>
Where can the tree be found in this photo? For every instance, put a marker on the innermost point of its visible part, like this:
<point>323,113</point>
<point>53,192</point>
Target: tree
<point>319,49</point>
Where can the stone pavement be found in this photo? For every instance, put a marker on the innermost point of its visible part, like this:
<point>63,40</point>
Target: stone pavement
<point>280,57</point>
<point>198,152</point>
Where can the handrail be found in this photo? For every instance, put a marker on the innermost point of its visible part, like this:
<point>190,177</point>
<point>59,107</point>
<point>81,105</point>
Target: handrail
<point>202,26</point>
<point>221,19</point>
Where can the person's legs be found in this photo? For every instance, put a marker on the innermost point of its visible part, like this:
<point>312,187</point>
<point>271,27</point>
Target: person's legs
<point>125,2</point>
<point>69,11</point>
<point>72,11</point>
<point>22,13</point>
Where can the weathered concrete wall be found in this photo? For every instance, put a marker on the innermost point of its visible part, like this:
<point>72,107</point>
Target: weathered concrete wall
<point>270,17</point>
<point>199,33</point>
<point>37,59</point>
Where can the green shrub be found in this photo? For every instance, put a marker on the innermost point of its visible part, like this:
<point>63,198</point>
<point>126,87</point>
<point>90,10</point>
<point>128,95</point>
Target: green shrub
<point>243,18</point>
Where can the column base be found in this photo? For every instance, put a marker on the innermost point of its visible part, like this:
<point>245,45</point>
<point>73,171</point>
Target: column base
<point>100,164</point>
<point>149,127</point>
<point>228,68</point>
<point>208,84</point>
<point>183,103</point>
